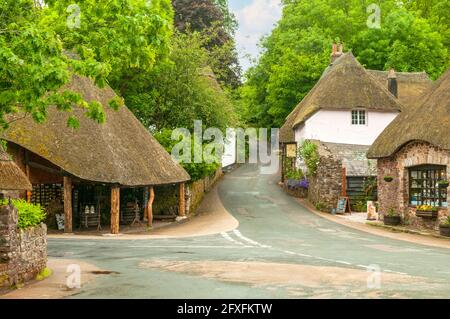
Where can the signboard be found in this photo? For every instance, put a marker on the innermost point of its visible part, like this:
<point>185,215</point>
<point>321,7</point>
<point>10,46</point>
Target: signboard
<point>343,205</point>
<point>291,150</point>
<point>60,221</point>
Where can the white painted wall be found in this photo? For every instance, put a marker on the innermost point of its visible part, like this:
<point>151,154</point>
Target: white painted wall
<point>229,155</point>
<point>336,127</point>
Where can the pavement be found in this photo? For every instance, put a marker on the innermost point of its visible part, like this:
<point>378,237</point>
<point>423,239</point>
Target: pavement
<point>273,246</point>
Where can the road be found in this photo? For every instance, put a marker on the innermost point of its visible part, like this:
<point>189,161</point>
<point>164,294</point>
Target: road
<point>280,250</point>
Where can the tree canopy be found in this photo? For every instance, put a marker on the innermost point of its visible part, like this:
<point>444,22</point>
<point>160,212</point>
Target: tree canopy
<point>34,66</point>
<point>213,19</point>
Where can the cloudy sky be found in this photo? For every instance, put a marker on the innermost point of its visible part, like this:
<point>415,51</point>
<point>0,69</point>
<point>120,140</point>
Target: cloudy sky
<point>256,19</point>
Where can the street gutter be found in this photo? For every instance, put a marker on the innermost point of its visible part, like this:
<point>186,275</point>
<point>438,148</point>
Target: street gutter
<point>411,236</point>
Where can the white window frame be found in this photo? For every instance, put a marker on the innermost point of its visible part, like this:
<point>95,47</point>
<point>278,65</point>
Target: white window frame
<point>359,117</point>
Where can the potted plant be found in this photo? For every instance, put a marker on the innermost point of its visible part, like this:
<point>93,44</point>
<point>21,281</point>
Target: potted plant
<point>388,179</point>
<point>444,227</point>
<point>392,218</point>
<point>443,183</point>
<point>427,211</point>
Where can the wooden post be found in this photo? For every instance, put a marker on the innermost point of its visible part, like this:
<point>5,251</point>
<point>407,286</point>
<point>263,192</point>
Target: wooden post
<point>67,204</point>
<point>151,199</point>
<point>344,181</point>
<point>115,210</point>
<point>182,201</point>
<point>28,194</point>
<point>283,160</point>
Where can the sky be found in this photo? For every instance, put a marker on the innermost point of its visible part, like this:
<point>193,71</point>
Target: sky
<point>256,18</point>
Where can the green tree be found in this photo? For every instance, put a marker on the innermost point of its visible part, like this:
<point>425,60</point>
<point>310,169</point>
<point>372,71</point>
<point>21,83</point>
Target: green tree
<point>128,35</point>
<point>412,37</point>
<point>213,19</point>
<point>181,90</point>
<point>34,67</point>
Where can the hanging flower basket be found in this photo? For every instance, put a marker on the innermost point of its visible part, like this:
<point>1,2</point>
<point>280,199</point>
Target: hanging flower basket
<point>388,179</point>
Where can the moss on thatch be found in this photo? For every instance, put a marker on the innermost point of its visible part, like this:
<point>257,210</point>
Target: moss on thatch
<point>429,122</point>
<point>120,151</point>
<point>346,85</point>
<point>11,176</point>
<point>412,86</point>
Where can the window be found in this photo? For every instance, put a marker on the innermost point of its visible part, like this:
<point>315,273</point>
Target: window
<point>424,188</point>
<point>359,117</point>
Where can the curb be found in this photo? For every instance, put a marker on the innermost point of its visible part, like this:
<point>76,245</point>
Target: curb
<point>404,230</point>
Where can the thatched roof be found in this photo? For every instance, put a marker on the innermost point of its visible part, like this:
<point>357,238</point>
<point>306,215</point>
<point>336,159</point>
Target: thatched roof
<point>11,176</point>
<point>412,86</point>
<point>430,122</point>
<point>344,86</point>
<point>120,151</point>
<point>287,134</point>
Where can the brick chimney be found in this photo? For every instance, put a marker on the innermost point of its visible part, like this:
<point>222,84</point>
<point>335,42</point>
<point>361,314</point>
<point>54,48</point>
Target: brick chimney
<point>392,83</point>
<point>337,52</point>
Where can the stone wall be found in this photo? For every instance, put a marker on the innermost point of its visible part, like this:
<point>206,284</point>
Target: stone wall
<point>326,186</point>
<point>23,253</point>
<point>396,193</point>
<point>195,191</point>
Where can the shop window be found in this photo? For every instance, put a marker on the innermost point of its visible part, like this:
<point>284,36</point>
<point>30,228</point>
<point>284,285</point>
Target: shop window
<point>424,187</point>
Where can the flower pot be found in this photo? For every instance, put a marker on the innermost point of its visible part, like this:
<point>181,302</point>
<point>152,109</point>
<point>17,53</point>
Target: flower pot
<point>444,230</point>
<point>427,214</point>
<point>443,185</point>
<point>392,220</point>
<point>388,179</point>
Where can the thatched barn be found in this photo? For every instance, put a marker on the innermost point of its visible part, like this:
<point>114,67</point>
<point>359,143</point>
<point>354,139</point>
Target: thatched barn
<point>80,165</point>
<point>414,151</point>
<point>12,179</point>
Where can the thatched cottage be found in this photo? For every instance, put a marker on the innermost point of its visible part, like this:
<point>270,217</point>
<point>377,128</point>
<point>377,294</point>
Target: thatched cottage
<point>87,168</point>
<point>414,151</point>
<point>346,111</point>
<point>12,180</point>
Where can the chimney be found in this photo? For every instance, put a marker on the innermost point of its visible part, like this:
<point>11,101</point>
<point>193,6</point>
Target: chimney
<point>392,83</point>
<point>337,52</point>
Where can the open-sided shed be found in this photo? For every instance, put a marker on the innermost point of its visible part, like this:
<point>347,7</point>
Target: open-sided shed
<point>121,153</point>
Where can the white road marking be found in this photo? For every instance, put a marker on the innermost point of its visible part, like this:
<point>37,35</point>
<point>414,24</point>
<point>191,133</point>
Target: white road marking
<point>193,247</point>
<point>227,237</point>
<point>238,234</point>
<point>343,262</point>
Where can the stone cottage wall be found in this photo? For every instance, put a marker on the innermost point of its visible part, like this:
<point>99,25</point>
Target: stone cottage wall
<point>196,191</point>
<point>326,186</point>
<point>23,253</point>
<point>396,194</point>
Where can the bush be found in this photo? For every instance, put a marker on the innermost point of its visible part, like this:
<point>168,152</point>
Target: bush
<point>29,215</point>
<point>309,154</point>
<point>296,174</point>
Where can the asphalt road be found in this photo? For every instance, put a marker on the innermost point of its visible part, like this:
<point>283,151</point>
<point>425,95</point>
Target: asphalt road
<point>280,250</point>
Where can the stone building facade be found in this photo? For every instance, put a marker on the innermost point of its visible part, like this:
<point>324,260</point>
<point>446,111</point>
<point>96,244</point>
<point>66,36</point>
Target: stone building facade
<point>395,195</point>
<point>23,253</point>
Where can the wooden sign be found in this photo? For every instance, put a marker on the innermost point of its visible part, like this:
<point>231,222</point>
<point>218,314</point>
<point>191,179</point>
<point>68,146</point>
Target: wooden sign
<point>343,205</point>
<point>291,150</point>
